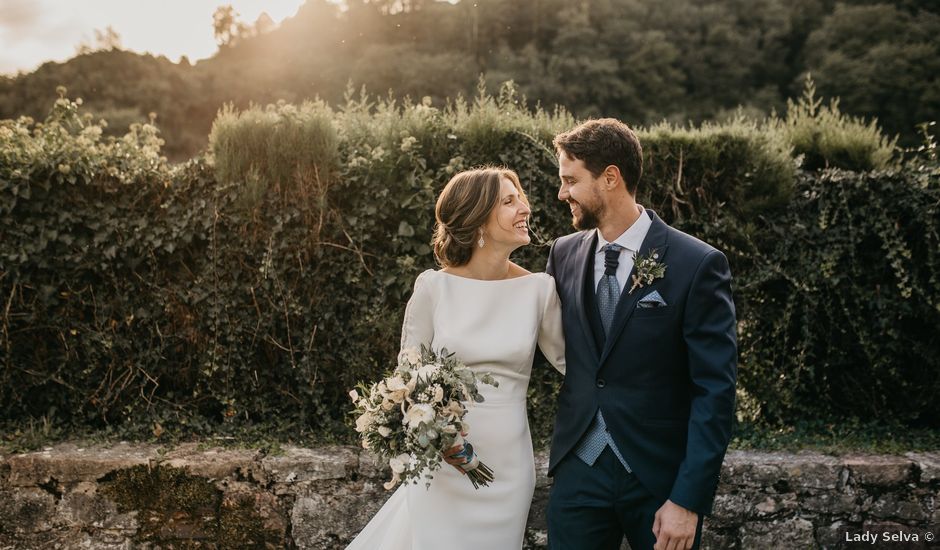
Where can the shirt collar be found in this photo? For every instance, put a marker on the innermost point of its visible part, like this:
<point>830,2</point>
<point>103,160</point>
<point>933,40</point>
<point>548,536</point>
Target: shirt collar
<point>632,238</point>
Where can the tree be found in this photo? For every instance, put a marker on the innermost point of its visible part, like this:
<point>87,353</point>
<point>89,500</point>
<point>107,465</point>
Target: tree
<point>602,60</point>
<point>106,39</point>
<point>226,27</point>
<point>264,24</point>
<point>391,7</point>
<point>881,61</point>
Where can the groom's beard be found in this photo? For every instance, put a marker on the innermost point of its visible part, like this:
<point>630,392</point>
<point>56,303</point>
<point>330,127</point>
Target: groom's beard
<point>589,219</point>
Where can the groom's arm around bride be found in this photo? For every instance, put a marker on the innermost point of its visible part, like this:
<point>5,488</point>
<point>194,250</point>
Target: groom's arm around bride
<point>645,410</point>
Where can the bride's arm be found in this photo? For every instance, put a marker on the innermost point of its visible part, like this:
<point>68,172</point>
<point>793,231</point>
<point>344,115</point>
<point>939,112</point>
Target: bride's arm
<point>551,336</point>
<point>417,330</point>
<point>418,326</point>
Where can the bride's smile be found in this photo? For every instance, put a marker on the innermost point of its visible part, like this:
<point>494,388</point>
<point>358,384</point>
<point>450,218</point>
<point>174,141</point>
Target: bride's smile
<point>508,223</point>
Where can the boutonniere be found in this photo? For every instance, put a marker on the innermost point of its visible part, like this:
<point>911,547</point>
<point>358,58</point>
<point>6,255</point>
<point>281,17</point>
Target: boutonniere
<point>648,269</point>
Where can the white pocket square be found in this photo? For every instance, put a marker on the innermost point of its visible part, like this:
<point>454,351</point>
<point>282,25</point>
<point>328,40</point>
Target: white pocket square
<point>653,299</point>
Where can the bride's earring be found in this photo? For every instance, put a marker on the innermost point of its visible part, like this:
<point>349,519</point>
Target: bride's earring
<point>480,242</point>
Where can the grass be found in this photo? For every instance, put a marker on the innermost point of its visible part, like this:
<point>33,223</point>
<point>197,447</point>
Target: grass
<point>833,437</point>
<point>271,438</point>
<point>836,437</point>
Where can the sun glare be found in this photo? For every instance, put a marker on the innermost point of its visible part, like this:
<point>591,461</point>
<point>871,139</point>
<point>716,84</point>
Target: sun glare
<point>35,31</point>
<point>190,25</point>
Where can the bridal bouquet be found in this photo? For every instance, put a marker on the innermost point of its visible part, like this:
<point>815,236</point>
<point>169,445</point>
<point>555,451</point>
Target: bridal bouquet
<point>417,412</point>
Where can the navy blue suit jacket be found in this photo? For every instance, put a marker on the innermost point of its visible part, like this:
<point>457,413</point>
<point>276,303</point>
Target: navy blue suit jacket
<point>665,377</point>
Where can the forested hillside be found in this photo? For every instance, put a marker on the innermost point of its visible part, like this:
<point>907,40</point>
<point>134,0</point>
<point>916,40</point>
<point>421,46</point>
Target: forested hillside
<point>641,60</point>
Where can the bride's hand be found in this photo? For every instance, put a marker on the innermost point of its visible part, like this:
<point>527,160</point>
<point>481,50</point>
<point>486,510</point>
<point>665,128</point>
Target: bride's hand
<point>455,461</point>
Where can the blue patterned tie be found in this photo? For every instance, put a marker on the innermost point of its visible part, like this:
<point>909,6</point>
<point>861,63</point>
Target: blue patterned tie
<point>608,294</point>
<point>608,289</point>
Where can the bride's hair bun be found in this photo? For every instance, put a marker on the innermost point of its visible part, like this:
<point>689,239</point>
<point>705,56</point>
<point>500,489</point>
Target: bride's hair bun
<point>462,209</point>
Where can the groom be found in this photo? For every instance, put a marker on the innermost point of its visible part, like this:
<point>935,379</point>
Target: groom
<point>644,414</point>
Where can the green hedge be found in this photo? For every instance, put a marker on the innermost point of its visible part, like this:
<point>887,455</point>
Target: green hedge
<point>257,286</point>
<point>845,301</point>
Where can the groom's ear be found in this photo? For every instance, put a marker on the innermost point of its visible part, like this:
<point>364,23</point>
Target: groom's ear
<point>612,177</point>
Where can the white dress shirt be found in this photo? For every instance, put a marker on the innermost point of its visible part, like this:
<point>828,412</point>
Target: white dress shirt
<point>630,241</point>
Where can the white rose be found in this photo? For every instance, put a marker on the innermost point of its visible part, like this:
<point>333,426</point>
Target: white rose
<point>419,413</point>
<point>428,371</point>
<point>395,383</point>
<point>364,422</point>
<point>390,484</point>
<point>385,431</point>
<point>399,463</point>
<point>438,393</point>
<point>397,389</point>
<point>454,409</point>
<point>410,356</point>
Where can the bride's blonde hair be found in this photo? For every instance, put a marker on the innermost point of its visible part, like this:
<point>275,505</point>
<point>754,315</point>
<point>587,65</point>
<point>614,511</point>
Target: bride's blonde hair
<point>462,209</point>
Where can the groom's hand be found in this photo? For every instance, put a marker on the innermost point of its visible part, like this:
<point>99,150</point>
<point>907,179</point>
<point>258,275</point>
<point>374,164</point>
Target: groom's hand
<point>674,527</point>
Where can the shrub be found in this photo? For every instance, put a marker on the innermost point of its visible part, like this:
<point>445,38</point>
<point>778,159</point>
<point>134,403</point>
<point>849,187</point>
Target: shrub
<point>692,172</point>
<point>844,302</point>
<point>281,144</point>
<point>827,138</point>
<point>70,149</point>
<point>82,237</point>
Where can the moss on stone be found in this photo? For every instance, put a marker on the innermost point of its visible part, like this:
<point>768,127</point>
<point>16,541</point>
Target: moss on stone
<point>188,511</point>
<point>240,526</point>
<point>171,503</point>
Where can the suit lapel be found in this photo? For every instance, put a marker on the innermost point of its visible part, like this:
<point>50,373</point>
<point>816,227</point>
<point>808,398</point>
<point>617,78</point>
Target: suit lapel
<point>585,253</point>
<point>656,239</point>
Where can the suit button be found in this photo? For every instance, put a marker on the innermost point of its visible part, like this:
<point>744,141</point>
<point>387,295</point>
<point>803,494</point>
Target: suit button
<point>601,382</point>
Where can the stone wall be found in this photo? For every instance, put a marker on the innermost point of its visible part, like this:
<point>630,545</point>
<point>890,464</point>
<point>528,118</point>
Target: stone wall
<point>129,496</point>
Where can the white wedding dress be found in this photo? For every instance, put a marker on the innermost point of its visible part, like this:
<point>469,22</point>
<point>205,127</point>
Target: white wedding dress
<point>492,326</point>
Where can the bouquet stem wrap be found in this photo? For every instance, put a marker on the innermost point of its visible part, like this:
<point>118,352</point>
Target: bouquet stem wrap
<point>479,473</point>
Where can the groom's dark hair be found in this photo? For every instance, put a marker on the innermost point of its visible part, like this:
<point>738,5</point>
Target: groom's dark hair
<point>603,142</point>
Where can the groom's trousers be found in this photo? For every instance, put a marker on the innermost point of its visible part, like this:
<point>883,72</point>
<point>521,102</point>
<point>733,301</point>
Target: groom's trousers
<point>595,507</point>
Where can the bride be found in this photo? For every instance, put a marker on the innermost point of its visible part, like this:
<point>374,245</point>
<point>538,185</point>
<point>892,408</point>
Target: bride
<point>491,313</point>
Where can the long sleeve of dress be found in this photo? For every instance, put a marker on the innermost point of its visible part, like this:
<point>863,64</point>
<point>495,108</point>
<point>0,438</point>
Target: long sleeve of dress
<point>551,335</point>
<point>418,326</point>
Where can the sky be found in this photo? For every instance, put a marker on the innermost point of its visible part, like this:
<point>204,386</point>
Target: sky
<point>35,31</point>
